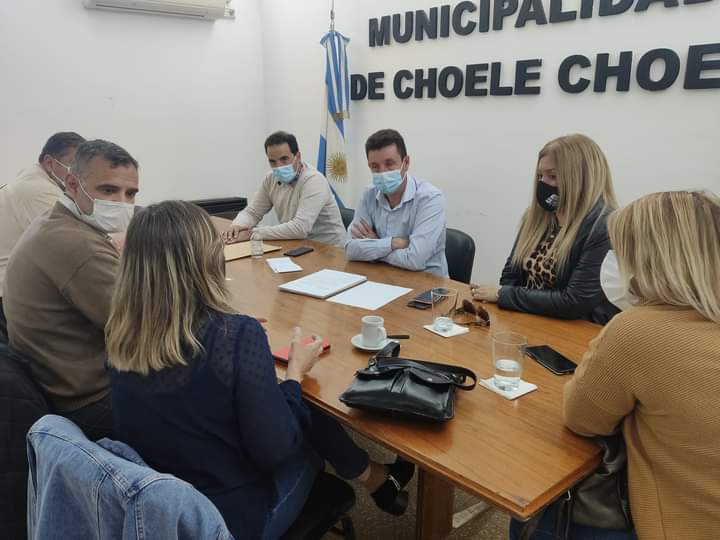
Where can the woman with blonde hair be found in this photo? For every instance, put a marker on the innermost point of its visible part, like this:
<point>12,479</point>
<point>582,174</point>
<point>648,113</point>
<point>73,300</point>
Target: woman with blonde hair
<point>554,266</point>
<point>194,388</point>
<point>653,373</point>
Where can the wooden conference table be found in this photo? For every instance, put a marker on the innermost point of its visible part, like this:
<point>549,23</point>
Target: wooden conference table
<point>514,454</point>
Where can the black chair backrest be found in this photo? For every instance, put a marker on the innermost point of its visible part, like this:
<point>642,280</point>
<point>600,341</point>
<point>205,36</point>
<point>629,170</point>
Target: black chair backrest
<point>21,404</point>
<point>225,207</point>
<point>347,215</point>
<point>460,255</point>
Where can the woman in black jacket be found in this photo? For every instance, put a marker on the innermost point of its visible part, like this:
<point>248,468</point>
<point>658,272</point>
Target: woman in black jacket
<point>554,266</point>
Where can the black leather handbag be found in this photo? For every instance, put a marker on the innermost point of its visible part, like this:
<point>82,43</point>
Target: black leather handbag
<point>409,387</point>
<point>600,500</point>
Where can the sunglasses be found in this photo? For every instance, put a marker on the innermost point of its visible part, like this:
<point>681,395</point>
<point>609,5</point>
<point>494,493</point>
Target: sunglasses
<point>471,315</point>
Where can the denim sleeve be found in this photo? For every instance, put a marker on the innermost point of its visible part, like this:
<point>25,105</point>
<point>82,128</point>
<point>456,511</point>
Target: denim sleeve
<point>272,416</point>
<point>365,249</point>
<point>425,237</point>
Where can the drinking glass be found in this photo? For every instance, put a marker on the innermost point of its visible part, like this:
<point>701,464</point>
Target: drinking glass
<point>508,350</point>
<point>256,244</point>
<point>444,302</point>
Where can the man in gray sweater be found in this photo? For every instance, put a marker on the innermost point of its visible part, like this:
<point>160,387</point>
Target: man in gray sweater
<point>301,196</point>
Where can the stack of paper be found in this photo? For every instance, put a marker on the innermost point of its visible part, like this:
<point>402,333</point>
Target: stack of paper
<point>280,265</point>
<point>323,283</point>
<point>370,295</point>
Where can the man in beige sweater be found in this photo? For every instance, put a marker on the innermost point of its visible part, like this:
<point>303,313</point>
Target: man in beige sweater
<point>301,196</point>
<point>31,194</point>
<point>59,282</point>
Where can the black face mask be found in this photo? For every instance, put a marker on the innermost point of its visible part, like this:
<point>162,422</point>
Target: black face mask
<point>547,196</point>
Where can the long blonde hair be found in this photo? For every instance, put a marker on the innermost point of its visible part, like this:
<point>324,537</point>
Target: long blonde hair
<point>172,273</point>
<point>668,249</point>
<point>584,178</point>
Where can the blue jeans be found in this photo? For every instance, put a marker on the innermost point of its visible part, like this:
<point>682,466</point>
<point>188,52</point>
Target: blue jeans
<point>329,442</point>
<point>547,527</point>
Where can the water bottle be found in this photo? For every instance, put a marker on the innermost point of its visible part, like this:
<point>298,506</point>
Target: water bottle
<point>256,244</point>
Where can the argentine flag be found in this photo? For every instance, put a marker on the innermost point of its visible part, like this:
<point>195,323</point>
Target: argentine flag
<point>332,159</point>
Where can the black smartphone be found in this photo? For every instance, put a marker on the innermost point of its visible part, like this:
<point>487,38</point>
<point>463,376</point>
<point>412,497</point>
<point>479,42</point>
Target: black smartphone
<point>551,359</point>
<point>298,251</point>
<point>421,301</point>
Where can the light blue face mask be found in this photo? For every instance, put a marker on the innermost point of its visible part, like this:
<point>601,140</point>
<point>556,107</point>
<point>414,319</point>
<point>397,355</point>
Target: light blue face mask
<point>284,174</point>
<point>387,182</point>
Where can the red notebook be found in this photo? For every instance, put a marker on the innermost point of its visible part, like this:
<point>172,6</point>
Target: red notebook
<point>282,354</point>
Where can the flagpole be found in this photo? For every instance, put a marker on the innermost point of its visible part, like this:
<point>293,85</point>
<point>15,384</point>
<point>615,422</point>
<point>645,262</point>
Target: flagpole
<point>332,159</point>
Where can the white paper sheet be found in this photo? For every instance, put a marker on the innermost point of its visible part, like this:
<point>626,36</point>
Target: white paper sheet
<point>370,295</point>
<point>323,283</point>
<point>524,388</point>
<point>456,330</point>
<point>280,265</point>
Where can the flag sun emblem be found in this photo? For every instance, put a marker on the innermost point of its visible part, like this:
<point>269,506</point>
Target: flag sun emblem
<point>337,167</point>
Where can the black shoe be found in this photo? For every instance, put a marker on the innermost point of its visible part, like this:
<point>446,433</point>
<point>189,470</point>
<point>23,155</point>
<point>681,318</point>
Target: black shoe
<point>390,496</point>
<point>402,470</point>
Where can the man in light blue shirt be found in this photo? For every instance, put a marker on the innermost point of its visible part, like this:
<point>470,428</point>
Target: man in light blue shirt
<point>400,220</point>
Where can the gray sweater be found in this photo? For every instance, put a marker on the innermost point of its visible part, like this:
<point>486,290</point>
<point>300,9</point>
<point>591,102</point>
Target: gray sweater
<point>305,208</point>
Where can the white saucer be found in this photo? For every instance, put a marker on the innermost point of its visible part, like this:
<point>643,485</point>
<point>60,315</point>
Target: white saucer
<point>357,342</point>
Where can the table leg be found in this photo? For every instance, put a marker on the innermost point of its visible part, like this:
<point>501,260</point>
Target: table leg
<point>434,507</point>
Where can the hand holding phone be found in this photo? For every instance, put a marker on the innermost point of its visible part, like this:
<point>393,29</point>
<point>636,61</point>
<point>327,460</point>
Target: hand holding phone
<point>551,359</point>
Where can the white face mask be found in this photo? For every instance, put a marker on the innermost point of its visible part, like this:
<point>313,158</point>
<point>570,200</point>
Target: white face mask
<point>58,181</point>
<point>613,285</point>
<point>107,216</point>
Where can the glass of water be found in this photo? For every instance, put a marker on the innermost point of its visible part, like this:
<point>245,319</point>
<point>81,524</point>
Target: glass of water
<point>256,244</point>
<point>444,302</point>
<point>508,350</point>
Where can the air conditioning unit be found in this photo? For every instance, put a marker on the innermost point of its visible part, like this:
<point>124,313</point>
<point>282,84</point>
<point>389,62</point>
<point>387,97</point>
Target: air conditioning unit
<point>195,9</point>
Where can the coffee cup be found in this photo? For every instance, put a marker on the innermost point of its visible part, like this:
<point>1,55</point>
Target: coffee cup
<point>373,331</point>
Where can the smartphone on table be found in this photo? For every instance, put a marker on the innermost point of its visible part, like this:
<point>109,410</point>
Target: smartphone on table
<point>421,301</point>
<point>549,358</point>
<point>298,251</point>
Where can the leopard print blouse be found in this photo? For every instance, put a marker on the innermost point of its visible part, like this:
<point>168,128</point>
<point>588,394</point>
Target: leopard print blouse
<point>541,269</point>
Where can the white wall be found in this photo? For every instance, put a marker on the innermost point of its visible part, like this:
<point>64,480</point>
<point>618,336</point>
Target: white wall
<point>481,151</point>
<point>184,97</point>
<point>193,101</point>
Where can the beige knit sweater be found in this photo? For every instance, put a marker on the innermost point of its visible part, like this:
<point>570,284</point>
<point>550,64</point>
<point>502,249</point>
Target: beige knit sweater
<point>656,371</point>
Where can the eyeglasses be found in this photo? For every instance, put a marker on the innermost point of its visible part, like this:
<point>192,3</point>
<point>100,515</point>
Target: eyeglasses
<point>471,315</point>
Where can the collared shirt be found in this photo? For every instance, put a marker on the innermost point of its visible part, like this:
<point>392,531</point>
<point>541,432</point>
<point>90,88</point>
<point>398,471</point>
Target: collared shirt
<point>306,208</point>
<point>31,194</point>
<point>420,217</point>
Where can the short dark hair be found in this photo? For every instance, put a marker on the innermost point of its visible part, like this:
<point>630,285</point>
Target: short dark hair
<point>385,137</point>
<point>116,155</point>
<point>282,137</point>
<point>58,145</point>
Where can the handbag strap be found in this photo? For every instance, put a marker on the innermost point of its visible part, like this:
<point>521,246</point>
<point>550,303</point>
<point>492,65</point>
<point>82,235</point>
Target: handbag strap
<point>458,374</point>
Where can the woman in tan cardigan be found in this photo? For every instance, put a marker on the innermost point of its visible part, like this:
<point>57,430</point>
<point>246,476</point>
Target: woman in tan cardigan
<point>654,371</point>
